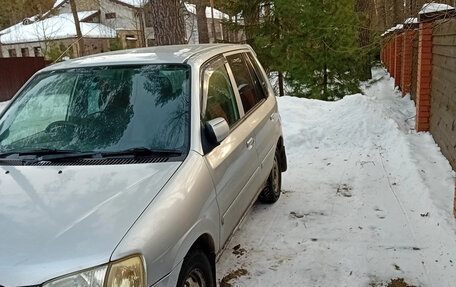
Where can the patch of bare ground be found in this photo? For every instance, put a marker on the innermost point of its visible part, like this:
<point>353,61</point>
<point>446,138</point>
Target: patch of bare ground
<point>225,282</point>
<point>398,282</point>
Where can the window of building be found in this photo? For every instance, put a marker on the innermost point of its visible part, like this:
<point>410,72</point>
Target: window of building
<point>132,41</point>
<point>25,52</point>
<point>110,15</point>
<point>37,51</point>
<point>12,53</point>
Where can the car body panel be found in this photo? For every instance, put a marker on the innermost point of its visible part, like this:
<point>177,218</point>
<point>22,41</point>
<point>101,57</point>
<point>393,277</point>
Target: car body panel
<point>183,211</point>
<point>63,222</point>
<point>234,167</point>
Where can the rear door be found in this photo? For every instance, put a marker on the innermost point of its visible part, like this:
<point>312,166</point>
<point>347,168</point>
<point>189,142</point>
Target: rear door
<point>259,106</point>
<point>266,115</point>
<point>234,162</point>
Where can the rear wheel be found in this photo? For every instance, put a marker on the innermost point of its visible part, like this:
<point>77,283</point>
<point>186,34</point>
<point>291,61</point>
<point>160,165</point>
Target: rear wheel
<point>196,271</point>
<point>271,192</point>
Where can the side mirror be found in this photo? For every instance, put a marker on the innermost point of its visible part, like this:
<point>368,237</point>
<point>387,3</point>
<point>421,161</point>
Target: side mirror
<point>218,130</point>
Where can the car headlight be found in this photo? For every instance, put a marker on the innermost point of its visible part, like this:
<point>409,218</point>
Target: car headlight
<point>127,272</point>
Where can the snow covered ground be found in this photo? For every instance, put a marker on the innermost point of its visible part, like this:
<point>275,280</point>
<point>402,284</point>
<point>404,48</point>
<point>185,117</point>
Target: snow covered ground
<point>366,200</point>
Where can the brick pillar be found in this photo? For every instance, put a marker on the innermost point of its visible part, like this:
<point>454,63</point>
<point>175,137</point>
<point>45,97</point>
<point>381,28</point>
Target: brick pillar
<point>393,57</point>
<point>423,93</point>
<point>390,53</point>
<point>407,61</point>
<point>398,61</point>
<point>387,56</point>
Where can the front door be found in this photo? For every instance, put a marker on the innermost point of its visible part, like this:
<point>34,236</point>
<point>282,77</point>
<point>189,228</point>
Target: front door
<point>234,162</point>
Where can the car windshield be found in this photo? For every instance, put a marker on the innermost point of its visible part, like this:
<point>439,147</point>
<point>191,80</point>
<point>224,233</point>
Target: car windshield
<point>102,109</point>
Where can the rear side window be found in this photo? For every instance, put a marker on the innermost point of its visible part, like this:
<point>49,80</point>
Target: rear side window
<point>221,100</point>
<point>247,84</point>
<point>259,76</point>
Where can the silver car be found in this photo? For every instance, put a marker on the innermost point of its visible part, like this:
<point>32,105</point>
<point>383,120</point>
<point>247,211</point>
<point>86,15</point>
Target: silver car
<point>134,168</point>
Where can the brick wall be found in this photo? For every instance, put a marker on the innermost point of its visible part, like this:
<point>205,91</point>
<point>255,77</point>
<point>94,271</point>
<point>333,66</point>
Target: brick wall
<point>398,46</point>
<point>427,70</point>
<point>414,66</point>
<point>423,93</point>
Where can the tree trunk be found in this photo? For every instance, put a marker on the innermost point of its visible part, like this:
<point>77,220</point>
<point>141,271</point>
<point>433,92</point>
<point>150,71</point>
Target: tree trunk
<point>381,15</point>
<point>168,21</point>
<point>364,39</point>
<point>214,32</point>
<point>281,90</point>
<point>236,32</point>
<point>201,19</point>
<point>398,9</point>
<point>74,10</point>
<point>142,29</point>
<point>325,81</point>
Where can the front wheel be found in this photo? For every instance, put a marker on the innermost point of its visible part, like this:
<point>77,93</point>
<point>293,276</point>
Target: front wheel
<point>271,192</point>
<point>196,271</point>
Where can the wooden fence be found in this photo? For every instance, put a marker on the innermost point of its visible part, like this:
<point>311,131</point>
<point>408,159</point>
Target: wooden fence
<point>14,72</point>
<point>443,88</point>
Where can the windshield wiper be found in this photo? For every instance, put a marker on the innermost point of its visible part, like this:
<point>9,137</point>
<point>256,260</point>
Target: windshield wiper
<point>60,154</point>
<point>56,154</point>
<point>144,151</point>
<point>37,152</point>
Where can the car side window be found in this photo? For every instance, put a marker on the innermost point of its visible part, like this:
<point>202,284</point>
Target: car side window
<point>258,75</point>
<point>248,89</point>
<point>221,100</point>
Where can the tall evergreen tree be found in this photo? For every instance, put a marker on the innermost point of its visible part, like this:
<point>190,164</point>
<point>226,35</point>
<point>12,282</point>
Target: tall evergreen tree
<point>315,45</point>
<point>320,38</point>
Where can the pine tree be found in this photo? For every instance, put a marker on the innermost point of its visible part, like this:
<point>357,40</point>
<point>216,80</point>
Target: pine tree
<point>320,38</point>
<point>316,45</point>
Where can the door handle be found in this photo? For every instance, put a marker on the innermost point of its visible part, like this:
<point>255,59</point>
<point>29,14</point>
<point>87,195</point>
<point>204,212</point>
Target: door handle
<point>250,142</point>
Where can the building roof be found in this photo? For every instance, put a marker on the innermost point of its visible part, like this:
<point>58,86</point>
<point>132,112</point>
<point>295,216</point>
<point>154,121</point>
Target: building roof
<point>152,55</point>
<point>54,28</point>
<point>435,7</point>
<point>134,3</point>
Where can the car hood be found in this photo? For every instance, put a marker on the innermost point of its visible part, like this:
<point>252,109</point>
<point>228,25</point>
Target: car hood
<point>57,220</point>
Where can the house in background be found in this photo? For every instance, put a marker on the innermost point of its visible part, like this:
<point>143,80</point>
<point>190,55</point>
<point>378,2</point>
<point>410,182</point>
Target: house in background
<point>221,33</point>
<point>34,37</point>
<point>124,16</point>
<point>105,25</point>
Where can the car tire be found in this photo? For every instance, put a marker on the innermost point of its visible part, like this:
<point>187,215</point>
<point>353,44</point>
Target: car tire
<point>271,192</point>
<point>196,271</point>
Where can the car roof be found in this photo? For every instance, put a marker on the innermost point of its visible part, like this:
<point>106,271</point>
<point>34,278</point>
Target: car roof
<point>177,54</point>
